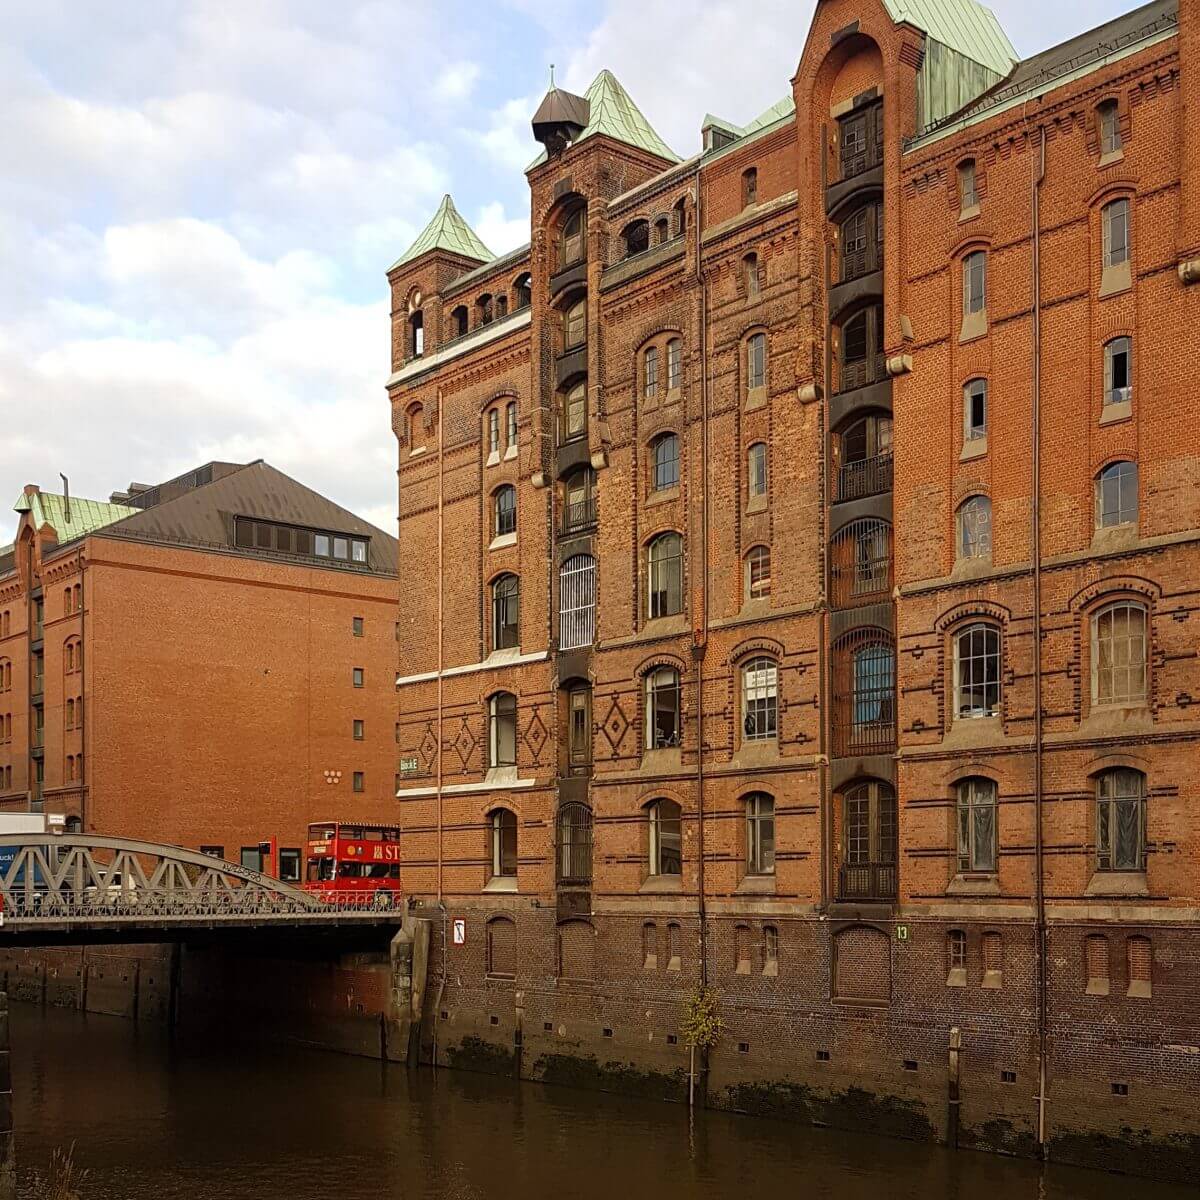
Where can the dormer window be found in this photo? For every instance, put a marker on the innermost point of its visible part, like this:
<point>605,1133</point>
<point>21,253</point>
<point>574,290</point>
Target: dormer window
<point>274,536</point>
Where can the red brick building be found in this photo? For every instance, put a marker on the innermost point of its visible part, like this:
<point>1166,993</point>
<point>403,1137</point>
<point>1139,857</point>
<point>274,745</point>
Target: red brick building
<point>806,605</point>
<point>208,662</point>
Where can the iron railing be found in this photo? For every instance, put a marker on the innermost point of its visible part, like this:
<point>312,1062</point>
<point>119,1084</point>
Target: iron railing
<point>867,881</point>
<point>579,514</point>
<point>860,563</point>
<point>867,477</point>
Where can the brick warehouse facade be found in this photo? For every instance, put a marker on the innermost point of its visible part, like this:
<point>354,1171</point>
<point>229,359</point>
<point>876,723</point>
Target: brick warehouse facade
<point>178,664</point>
<point>752,485</point>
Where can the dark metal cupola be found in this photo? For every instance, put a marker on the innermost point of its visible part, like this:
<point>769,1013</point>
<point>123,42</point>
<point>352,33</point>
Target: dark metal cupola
<point>560,119</point>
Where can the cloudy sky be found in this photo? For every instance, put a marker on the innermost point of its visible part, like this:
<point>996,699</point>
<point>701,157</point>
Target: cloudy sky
<point>200,199</point>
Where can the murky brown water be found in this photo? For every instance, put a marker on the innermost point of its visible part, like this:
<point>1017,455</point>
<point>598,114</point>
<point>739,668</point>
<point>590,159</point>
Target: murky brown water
<point>152,1120</point>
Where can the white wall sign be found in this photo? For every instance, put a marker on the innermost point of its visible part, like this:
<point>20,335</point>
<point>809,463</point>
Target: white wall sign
<point>460,932</point>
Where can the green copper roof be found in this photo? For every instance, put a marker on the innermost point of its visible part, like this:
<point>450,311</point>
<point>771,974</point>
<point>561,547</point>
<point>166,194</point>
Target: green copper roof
<point>777,111</point>
<point>447,231</point>
<point>963,26</point>
<point>45,508</point>
<point>612,112</point>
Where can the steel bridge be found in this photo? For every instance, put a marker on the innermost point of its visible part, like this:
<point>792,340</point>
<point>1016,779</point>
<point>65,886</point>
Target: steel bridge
<point>73,887</point>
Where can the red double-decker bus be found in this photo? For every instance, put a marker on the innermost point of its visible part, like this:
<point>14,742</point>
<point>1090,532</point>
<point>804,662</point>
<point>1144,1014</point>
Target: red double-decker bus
<point>352,862</point>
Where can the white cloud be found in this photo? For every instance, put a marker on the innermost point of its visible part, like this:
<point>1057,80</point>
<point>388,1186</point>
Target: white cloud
<point>500,233</point>
<point>456,82</point>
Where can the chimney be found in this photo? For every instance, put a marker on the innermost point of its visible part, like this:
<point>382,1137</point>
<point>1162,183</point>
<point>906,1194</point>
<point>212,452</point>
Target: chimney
<point>66,497</point>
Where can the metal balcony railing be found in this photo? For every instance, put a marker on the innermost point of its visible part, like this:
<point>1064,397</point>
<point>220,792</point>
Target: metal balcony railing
<point>867,477</point>
<point>579,515</point>
<point>867,881</point>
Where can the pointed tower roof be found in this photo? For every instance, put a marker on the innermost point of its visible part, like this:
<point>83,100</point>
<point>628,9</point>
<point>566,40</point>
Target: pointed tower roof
<point>612,111</point>
<point>446,231</point>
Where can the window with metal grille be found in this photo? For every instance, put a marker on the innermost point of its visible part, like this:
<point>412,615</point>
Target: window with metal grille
<point>1119,654</point>
<point>869,870</point>
<point>1114,222</point>
<point>575,324</point>
<point>664,560</point>
<point>1117,495</point>
<point>1118,370</point>
<point>579,729</point>
<point>864,690</point>
<point>1121,820</point>
<point>574,412</point>
<point>666,838</point>
<point>505,505</point>
<point>1109,117</point>
<point>974,271</point>
<point>664,451</point>
<point>758,572</point>
<point>501,947</point>
<point>760,834</point>
<point>650,373</point>
<point>502,730</point>
<point>756,469</point>
<point>504,842</point>
<point>977,670</point>
<point>664,726</point>
<point>575,843</point>
<point>577,602</point>
<point>861,562</point>
<point>760,699</point>
<point>968,195</point>
<point>505,613</point>
<point>975,409</point>
<point>975,528</point>
<point>977,825</point>
<point>674,364</point>
<point>756,361</point>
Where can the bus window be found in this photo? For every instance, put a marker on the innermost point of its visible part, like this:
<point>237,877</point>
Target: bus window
<point>321,833</point>
<point>320,869</point>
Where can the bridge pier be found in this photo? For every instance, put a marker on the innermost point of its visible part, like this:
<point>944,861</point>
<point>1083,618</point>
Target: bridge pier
<point>409,958</point>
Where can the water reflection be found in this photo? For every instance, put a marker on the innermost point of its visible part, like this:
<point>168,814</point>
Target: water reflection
<point>155,1120</point>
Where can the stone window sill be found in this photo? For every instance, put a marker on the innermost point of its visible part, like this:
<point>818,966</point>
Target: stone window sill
<point>1113,156</point>
<point>674,964</point>
<point>1115,537</point>
<point>971,568</point>
<point>756,885</point>
<point>743,967</point>
<point>511,450</point>
<point>501,883</point>
<point>975,884</point>
<point>501,775</point>
<point>1096,987</point>
<point>661,885</point>
<point>663,496</point>
<point>502,540</point>
<point>975,447</point>
<point>756,398</point>
<point>968,732</point>
<point>1120,410</point>
<point>957,977</point>
<point>415,451</point>
<point>969,213</point>
<point>651,963</point>
<point>756,753</point>
<point>1139,989</point>
<point>492,459</point>
<point>665,760</point>
<point>1117,883</point>
<point>974,325</point>
<point>771,968</point>
<point>673,395</point>
<point>1114,280</point>
<point>992,979</point>
<point>756,504</point>
<point>666,626</point>
<point>1116,720</point>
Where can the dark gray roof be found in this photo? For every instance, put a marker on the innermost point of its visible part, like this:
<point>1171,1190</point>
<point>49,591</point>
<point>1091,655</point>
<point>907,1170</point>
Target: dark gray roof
<point>202,516</point>
<point>1076,55</point>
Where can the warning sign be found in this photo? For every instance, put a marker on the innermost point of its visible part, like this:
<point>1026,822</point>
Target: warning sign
<point>460,932</point>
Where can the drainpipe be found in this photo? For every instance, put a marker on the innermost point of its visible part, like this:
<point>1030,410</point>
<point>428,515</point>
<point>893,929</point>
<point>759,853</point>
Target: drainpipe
<point>440,605</point>
<point>1039,173</point>
<point>699,651</point>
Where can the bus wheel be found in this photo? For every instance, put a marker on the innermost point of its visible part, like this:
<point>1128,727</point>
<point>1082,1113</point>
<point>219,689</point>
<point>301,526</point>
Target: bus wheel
<point>384,899</point>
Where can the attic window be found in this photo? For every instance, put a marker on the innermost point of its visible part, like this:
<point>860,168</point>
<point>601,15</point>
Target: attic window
<point>273,536</point>
<point>749,187</point>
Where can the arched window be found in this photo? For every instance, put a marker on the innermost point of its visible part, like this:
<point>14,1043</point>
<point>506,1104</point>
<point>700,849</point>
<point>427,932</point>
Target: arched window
<point>968,194</point>
<point>869,868</point>
<point>664,725</point>
<point>483,307</point>
<point>760,834</point>
<point>674,364</point>
<point>575,323</point>
<point>67,601</point>
<point>1114,225</point>
<point>664,454</point>
<point>572,244</point>
<point>1108,118</point>
<point>662,231</point>
<point>416,428</point>
<point>74,824</point>
<point>874,679</point>
<point>579,499</point>
<point>636,236</point>
<point>977,670</point>
<point>493,422</point>
<point>974,409</point>
<point>575,843</point>
<point>504,505</point>
<point>861,562</point>
<point>574,411</point>
<point>577,602</point>
<point>416,334</point>
<point>977,825</point>
<point>501,947</point>
<point>501,307</point>
<point>1118,370</point>
<point>975,528</point>
<point>760,700</point>
<point>522,292</point>
<point>974,279</point>
<point>1121,820</point>
<point>679,216</point>
<point>758,572</point>
<point>579,729</point>
<point>5,674</point>
<point>750,277</point>
<point>860,349</point>
<point>70,724</point>
<point>1119,654</point>
<point>749,186</point>
<point>502,731</point>
<point>505,613</point>
<point>650,373</point>
<point>756,361</point>
<point>460,321</point>
<point>864,692</point>
<point>664,563</point>
<point>1117,495</point>
<point>756,469</point>
<point>666,838</point>
<point>510,424</point>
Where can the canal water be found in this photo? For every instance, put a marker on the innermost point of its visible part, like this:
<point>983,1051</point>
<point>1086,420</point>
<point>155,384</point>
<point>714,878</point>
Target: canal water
<point>152,1119</point>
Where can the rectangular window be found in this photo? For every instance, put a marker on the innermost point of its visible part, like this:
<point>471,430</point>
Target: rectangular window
<point>674,364</point>
<point>356,624</point>
<point>494,431</point>
<point>977,826</point>
<point>321,545</point>
<point>1115,218</point>
<point>358,677</point>
<point>757,469</point>
<point>756,361</point>
<point>1118,376</point>
<point>974,282</point>
<point>968,195</point>
<point>511,425</point>
<point>1110,128</point>
<point>213,851</point>
<point>341,548</point>
<point>975,409</point>
<point>650,374</point>
<point>359,781</point>
<point>289,865</point>
<point>359,730</point>
<point>579,732</point>
<point>358,551</point>
<point>252,858</point>
<point>760,834</point>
